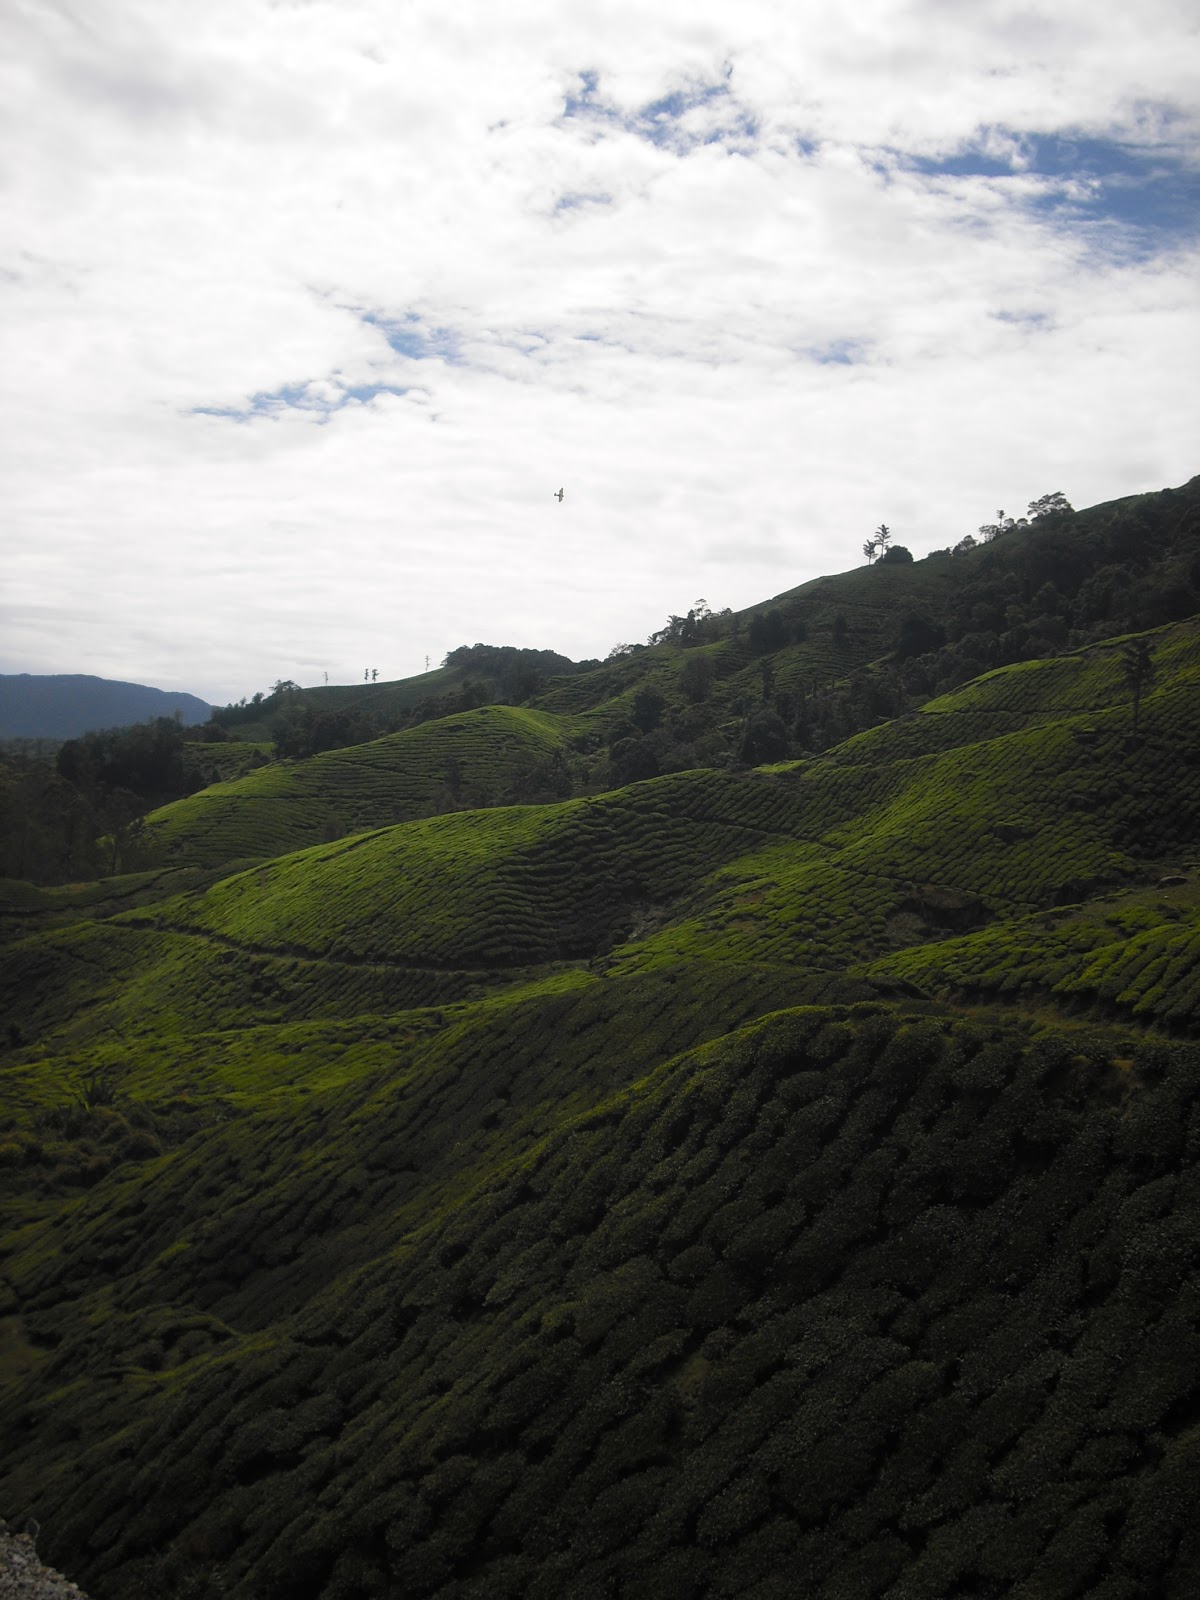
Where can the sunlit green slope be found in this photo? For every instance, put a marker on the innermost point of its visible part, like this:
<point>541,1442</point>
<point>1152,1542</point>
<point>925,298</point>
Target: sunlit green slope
<point>476,757</point>
<point>1022,792</point>
<point>1136,957</point>
<point>416,914</point>
<point>609,1196</point>
<point>223,763</point>
<point>27,908</point>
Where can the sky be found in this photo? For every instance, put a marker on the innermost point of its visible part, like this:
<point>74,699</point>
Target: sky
<point>309,307</point>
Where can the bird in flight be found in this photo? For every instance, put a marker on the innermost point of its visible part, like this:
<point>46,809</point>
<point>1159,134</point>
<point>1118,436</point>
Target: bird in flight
<point>557,496</point>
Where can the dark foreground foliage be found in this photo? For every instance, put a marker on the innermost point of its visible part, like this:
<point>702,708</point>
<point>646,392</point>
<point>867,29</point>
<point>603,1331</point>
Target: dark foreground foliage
<point>846,1304</point>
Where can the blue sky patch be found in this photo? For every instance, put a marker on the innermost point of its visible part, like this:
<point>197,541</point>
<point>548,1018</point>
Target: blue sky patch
<point>299,397</point>
<point>364,393</point>
<point>1146,192</point>
<point>584,104</point>
<point>1038,320</point>
<point>409,336</point>
<point>837,353</point>
<point>661,121</point>
<point>576,200</point>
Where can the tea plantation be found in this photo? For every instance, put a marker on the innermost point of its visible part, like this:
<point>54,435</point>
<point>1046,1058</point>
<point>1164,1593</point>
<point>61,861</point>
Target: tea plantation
<point>746,1182</point>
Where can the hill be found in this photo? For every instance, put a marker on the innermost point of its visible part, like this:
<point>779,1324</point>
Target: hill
<point>305,721</point>
<point>749,1181</point>
<point>64,705</point>
<point>478,758</point>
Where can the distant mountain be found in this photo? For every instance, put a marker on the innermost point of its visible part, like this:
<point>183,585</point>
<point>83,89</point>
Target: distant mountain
<point>64,705</point>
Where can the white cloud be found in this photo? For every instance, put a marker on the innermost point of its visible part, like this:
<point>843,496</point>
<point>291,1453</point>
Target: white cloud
<point>743,281</point>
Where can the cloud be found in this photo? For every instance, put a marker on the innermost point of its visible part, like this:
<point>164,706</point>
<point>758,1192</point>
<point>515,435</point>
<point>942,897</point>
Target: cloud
<point>308,308</point>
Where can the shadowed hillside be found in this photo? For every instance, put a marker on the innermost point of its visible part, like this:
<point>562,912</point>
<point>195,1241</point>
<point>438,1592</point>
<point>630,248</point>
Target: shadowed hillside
<point>764,1181</point>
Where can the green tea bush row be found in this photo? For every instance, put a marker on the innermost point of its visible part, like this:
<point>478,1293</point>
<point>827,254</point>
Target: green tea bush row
<point>476,757</point>
<point>892,1302</point>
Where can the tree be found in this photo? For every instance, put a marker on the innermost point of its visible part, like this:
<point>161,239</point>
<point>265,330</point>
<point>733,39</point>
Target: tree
<point>632,760</point>
<point>47,826</point>
<point>1137,668</point>
<point>918,636</point>
<point>896,556</point>
<point>878,543</point>
<point>768,631</point>
<point>146,758</point>
<point>1003,524</point>
<point>1050,505</point>
<point>696,678</point>
<point>122,817</point>
<point>764,738</point>
<point>647,710</point>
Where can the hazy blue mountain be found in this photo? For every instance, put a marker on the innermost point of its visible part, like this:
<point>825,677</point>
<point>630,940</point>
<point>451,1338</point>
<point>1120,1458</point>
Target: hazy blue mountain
<point>64,705</point>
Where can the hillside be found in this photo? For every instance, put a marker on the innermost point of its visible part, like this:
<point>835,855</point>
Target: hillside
<point>483,757</point>
<point>64,705</point>
<point>434,1175</point>
<point>796,675</point>
<point>827,658</point>
<point>353,713</point>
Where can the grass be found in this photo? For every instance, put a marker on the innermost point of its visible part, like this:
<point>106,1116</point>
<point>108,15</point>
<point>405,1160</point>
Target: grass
<point>476,757</point>
<point>911,833</point>
<point>1136,957</point>
<point>394,698</point>
<point>693,1325</point>
<point>615,1194</point>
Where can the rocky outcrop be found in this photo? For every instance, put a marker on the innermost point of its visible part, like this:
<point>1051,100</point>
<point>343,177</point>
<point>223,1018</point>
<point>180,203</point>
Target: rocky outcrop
<point>22,1575</point>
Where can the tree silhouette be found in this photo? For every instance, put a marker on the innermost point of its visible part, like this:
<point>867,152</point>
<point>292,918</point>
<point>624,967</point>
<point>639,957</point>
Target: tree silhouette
<point>1003,524</point>
<point>696,678</point>
<point>1050,505</point>
<point>877,544</point>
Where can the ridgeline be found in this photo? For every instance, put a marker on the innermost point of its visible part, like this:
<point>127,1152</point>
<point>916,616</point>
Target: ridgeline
<point>720,1121</point>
